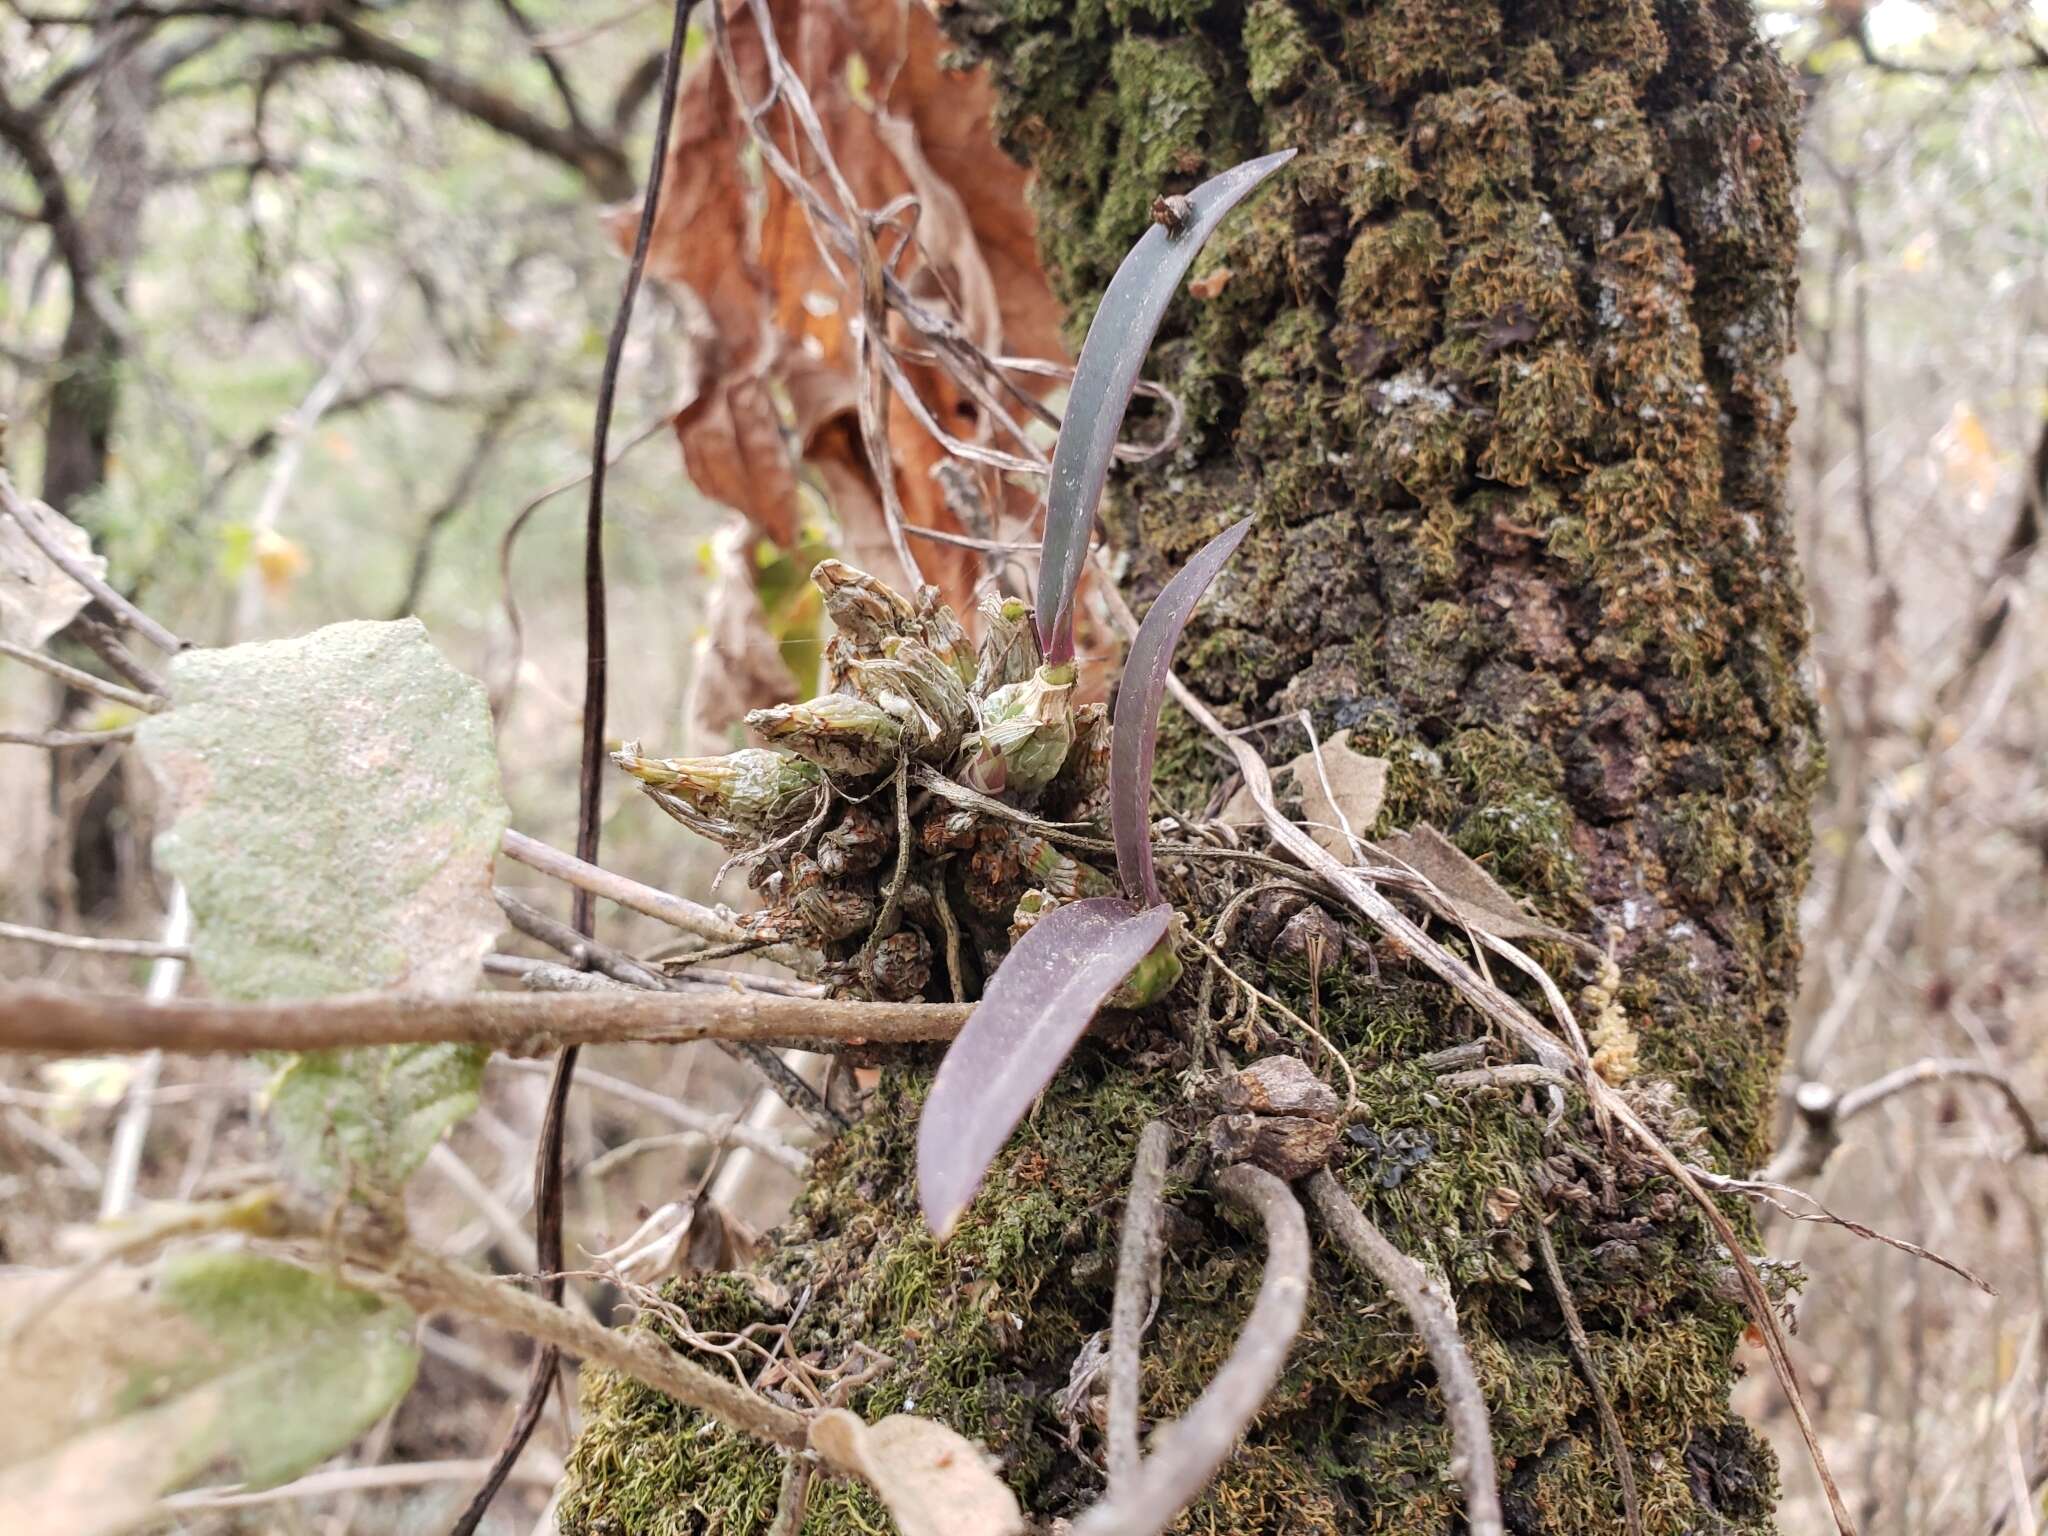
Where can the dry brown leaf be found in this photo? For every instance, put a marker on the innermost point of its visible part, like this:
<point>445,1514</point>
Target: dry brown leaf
<point>37,599</point>
<point>1470,895</point>
<point>933,1479</point>
<point>1358,782</point>
<point>774,315</point>
<point>1209,284</point>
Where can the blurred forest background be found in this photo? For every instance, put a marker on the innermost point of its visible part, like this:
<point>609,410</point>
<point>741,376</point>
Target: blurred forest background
<point>351,271</point>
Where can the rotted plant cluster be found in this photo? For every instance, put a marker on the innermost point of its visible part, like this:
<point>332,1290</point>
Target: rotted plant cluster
<point>964,747</point>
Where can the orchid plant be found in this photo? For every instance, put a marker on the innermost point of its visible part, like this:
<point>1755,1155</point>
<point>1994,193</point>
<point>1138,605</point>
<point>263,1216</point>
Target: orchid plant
<point>993,742</point>
<point>1075,958</point>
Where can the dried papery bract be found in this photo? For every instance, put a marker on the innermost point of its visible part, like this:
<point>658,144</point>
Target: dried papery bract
<point>1037,1005</point>
<point>1107,372</point>
<point>1146,669</point>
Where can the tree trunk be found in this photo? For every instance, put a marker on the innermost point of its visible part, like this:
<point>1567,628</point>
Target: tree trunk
<point>100,852</point>
<point>1498,363</point>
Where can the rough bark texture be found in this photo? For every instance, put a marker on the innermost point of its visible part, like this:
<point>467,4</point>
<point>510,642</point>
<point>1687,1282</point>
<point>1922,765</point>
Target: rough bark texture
<point>1498,362</point>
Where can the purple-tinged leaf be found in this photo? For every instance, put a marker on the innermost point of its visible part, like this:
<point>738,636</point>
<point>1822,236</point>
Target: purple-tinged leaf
<point>1135,731</point>
<point>1037,1006</point>
<point>1106,373</point>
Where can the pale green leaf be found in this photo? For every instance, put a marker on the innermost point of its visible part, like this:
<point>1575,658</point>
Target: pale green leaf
<point>337,808</point>
<point>128,1383</point>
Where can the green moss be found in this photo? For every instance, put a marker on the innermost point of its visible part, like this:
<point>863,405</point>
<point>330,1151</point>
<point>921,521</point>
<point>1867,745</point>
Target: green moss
<point>1398,45</point>
<point>1473,148</point>
<point>1278,55</point>
<point>1390,276</point>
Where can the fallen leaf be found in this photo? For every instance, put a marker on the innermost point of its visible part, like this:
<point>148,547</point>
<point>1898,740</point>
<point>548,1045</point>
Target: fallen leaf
<point>1209,284</point>
<point>1359,785</point>
<point>1470,895</point>
<point>335,812</point>
<point>934,1480</point>
<point>127,1383</point>
<point>37,599</point>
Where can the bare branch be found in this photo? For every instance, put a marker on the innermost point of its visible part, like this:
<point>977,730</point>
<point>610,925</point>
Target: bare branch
<point>1513,1074</point>
<point>338,1480</point>
<point>20,132</point>
<point>83,681</point>
<point>586,954</point>
<point>57,1021</point>
<point>53,740</point>
<point>133,949</point>
<point>717,1129</point>
<point>1430,1308</point>
<point>1189,1450</point>
<point>104,641</point>
<point>429,1283</point>
<point>1582,1352</point>
<point>1822,1114</point>
<point>1137,1289</point>
<point>676,911</point>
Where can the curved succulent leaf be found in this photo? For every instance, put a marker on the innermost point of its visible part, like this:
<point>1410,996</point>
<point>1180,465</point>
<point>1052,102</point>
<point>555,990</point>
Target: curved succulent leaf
<point>1104,377</point>
<point>1138,697</point>
<point>1038,1004</point>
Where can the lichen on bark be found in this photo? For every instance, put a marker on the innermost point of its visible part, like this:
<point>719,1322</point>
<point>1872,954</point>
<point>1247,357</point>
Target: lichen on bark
<point>1499,364</point>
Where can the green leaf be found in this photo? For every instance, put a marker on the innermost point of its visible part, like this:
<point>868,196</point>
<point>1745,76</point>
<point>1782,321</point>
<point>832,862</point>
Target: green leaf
<point>337,809</point>
<point>130,1383</point>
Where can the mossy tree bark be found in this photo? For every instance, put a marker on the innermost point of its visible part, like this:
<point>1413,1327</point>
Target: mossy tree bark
<point>1498,362</point>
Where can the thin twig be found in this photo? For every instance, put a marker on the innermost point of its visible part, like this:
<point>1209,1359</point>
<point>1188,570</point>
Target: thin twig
<point>293,433</point>
<point>584,952</point>
<point>56,740</point>
<point>133,949</point>
<point>341,1480</point>
<point>60,1022</point>
<point>1137,1289</point>
<point>1430,1308</point>
<point>719,1130</point>
<point>1603,1406</point>
<point>1513,1074</point>
<point>124,1157</point>
<point>1188,1451</point>
<point>1775,1195</point>
<point>676,911</point>
<point>85,682</point>
<point>429,1283</point>
<point>104,641</point>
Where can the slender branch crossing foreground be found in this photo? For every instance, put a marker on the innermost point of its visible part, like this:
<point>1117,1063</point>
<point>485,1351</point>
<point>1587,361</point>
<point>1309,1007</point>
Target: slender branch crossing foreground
<point>57,1021</point>
<point>428,1283</point>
